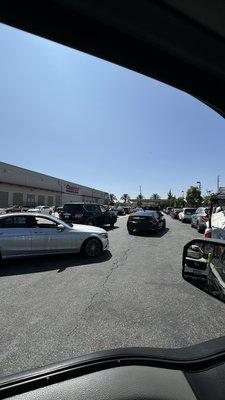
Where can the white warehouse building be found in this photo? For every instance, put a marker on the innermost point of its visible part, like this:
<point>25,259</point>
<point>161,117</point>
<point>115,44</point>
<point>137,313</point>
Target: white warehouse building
<point>20,186</point>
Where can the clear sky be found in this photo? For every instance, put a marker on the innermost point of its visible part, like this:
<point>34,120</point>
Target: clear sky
<point>76,117</point>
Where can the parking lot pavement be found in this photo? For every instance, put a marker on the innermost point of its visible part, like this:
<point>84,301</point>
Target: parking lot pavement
<point>60,307</point>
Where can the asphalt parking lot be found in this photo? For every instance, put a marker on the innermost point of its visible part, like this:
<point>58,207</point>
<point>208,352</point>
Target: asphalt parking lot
<point>60,307</point>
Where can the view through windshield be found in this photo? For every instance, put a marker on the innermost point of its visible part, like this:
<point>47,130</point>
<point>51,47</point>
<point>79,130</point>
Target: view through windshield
<point>79,133</point>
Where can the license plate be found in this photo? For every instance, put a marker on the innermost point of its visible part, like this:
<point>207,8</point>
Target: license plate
<point>197,272</point>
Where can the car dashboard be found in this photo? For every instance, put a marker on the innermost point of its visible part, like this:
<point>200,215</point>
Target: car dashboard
<point>195,372</point>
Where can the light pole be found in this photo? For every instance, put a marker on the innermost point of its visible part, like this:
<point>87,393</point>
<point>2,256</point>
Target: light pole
<point>218,182</point>
<point>199,185</point>
<point>182,192</point>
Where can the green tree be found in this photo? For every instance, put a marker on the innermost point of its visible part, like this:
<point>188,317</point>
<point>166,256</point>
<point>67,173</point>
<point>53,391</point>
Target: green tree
<point>171,199</point>
<point>169,195</point>
<point>155,196</point>
<point>193,196</point>
<point>206,200</point>
<point>112,199</point>
<point>180,202</point>
<point>125,198</point>
<point>140,197</point>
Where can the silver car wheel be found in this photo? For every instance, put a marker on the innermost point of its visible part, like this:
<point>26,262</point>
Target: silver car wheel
<point>93,247</point>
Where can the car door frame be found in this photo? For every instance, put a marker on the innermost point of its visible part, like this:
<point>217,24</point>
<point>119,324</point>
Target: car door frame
<point>20,235</point>
<point>49,235</point>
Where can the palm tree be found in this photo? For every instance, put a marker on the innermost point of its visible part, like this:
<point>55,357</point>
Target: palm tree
<point>155,196</point>
<point>125,198</point>
<point>112,199</point>
<point>139,199</point>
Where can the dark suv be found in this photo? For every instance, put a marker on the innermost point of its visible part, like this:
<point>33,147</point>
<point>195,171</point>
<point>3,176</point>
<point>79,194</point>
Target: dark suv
<point>88,214</point>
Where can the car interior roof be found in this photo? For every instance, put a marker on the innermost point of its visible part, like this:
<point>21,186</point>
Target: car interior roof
<point>177,42</point>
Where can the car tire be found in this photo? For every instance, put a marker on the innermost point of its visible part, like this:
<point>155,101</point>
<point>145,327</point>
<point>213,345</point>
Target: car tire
<point>130,231</point>
<point>112,224</point>
<point>182,220</point>
<point>90,221</point>
<point>92,247</point>
<point>192,225</point>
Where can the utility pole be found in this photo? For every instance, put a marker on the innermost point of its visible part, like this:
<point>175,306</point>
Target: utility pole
<point>140,189</point>
<point>218,182</point>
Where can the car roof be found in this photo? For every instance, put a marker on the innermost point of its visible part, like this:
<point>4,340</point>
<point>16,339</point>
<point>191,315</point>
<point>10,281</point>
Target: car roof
<point>25,214</point>
<point>169,40</point>
<point>79,203</point>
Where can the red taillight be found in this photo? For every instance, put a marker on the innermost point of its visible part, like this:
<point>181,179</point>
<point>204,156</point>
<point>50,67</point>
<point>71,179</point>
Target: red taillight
<point>208,234</point>
<point>205,218</point>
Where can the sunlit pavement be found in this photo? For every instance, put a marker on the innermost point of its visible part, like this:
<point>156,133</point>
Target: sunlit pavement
<point>61,307</point>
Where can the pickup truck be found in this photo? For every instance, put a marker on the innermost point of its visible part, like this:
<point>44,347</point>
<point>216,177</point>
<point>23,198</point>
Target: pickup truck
<point>215,227</point>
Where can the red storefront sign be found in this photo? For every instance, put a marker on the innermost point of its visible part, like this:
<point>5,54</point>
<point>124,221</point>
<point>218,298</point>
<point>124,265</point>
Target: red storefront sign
<point>72,189</point>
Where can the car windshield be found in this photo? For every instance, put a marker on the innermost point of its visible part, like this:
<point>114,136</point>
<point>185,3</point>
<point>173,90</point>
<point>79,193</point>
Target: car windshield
<point>108,138</point>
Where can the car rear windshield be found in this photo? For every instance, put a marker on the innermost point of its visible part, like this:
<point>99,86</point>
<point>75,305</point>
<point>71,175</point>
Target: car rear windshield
<point>72,207</point>
<point>189,210</point>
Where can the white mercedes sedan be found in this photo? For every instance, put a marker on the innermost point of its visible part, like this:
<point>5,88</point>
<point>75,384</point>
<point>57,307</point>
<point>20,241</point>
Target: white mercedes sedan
<point>23,234</point>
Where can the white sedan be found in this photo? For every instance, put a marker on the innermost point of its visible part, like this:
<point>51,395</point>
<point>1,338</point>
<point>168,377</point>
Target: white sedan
<point>41,209</point>
<point>23,234</point>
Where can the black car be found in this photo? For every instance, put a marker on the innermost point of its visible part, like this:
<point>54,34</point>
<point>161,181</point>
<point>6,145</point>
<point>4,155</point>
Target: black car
<point>146,220</point>
<point>127,210</point>
<point>118,210</point>
<point>88,214</point>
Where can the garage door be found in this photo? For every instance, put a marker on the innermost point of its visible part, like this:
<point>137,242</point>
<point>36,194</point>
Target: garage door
<point>4,199</point>
<point>17,199</point>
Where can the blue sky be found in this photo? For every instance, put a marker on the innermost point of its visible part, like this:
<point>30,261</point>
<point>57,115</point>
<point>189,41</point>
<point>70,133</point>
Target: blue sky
<point>76,117</point>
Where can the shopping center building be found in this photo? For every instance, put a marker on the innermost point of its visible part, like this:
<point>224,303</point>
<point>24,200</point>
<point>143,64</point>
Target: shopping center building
<point>19,186</point>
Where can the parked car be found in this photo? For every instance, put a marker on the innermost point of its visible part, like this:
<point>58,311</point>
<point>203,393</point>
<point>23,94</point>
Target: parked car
<point>200,218</point>
<point>24,234</point>
<point>118,210</point>
<point>168,210</point>
<point>174,212</point>
<point>88,214</point>
<point>121,211</point>
<point>127,210</point>
<point>41,210</point>
<point>145,220</point>
<point>13,209</point>
<point>186,214</point>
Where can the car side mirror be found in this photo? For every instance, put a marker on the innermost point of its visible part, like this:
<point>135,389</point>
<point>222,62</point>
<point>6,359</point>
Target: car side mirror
<point>204,266</point>
<point>61,228</point>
